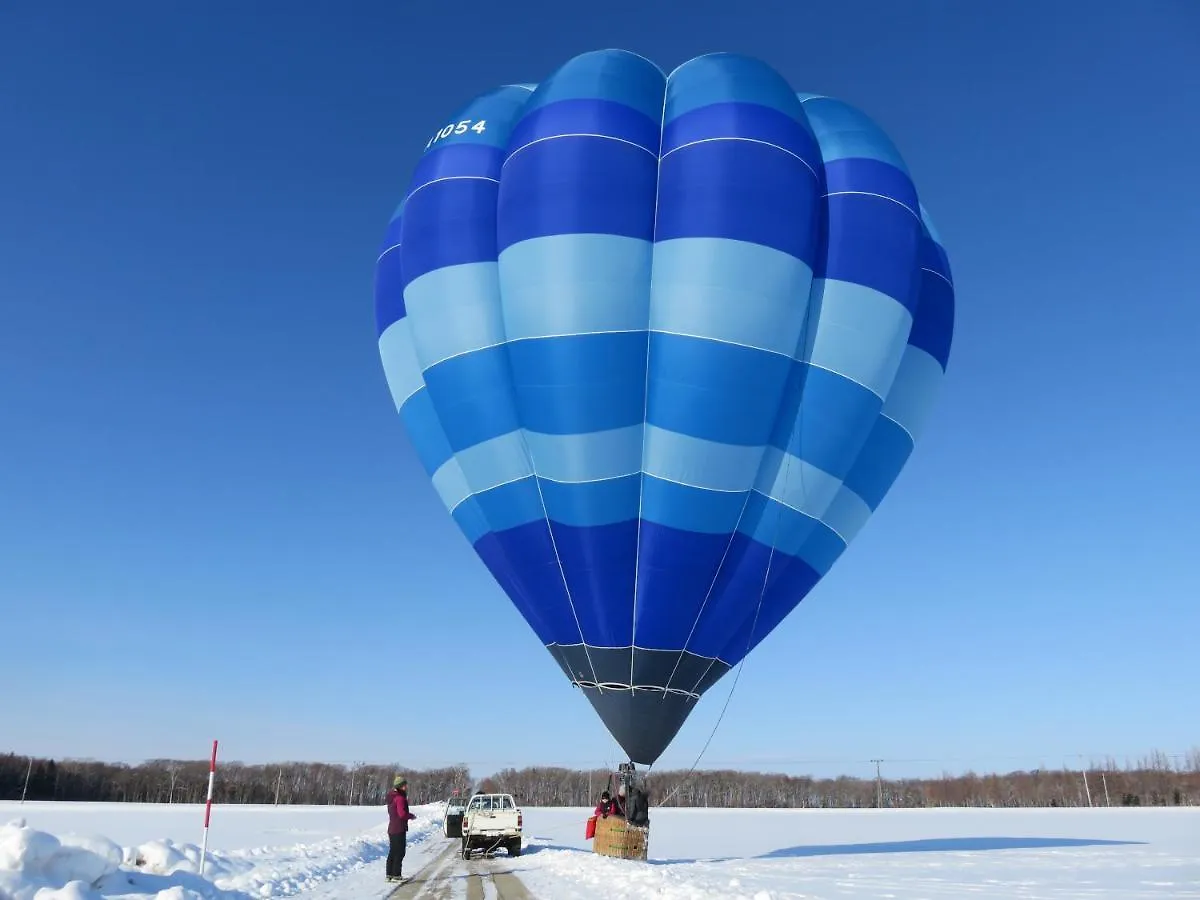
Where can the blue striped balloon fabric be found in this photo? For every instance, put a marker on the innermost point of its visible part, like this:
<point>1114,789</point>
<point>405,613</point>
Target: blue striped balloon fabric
<point>663,344</point>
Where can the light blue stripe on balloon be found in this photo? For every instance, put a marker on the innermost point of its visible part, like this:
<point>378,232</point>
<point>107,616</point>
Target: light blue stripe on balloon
<point>859,333</point>
<point>575,284</point>
<point>451,484</point>
<point>813,492</point>
<point>705,492</point>
<point>694,461</point>
<point>400,365</point>
<point>454,310</point>
<point>483,467</point>
<point>586,457</point>
<point>617,75</point>
<point>793,533</point>
<point>796,483</point>
<point>847,514</point>
<point>803,487</point>
<point>844,132</point>
<point>732,291</point>
<point>914,390</point>
<point>817,540</point>
<point>725,78</point>
<point>568,458</point>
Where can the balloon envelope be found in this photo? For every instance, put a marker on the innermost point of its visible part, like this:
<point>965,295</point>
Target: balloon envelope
<point>663,344</point>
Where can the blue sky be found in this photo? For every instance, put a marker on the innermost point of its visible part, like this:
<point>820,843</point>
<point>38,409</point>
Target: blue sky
<point>214,525</point>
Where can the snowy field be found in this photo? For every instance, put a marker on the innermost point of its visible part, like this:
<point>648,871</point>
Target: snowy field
<point>93,851</point>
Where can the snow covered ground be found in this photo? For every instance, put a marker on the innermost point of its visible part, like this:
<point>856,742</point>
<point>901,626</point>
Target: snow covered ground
<point>85,851</point>
<point>336,853</point>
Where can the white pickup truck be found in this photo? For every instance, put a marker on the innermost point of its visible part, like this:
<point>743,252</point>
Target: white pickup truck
<point>491,821</point>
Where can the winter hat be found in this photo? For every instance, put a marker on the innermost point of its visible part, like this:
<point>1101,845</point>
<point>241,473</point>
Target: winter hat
<point>400,781</point>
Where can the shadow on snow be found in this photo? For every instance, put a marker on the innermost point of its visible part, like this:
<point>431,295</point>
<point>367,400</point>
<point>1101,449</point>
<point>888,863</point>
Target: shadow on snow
<point>926,845</point>
<point>937,845</point>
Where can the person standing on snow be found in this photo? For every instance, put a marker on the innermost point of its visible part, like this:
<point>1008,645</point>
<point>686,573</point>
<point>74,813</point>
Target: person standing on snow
<point>398,819</point>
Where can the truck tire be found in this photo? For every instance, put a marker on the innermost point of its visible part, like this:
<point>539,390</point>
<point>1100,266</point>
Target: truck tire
<point>514,847</point>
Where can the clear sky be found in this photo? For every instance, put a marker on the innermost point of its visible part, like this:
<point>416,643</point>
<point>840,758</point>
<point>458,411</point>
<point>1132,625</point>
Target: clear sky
<point>212,524</point>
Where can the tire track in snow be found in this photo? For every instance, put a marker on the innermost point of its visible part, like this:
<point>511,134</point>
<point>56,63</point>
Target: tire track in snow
<point>448,877</point>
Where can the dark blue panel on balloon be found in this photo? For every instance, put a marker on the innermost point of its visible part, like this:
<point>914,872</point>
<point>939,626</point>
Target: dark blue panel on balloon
<point>599,563</point>
<point>586,116</point>
<point>577,185</point>
<point>873,242</point>
<point>676,572</point>
<point>458,161</point>
<point>872,176</point>
<point>737,591</point>
<point>742,191</point>
<point>389,292</point>
<point>749,121</point>
<point>933,324</point>
<point>449,223</point>
<point>502,569</point>
<point>790,581</point>
<point>526,557</point>
<point>391,235</point>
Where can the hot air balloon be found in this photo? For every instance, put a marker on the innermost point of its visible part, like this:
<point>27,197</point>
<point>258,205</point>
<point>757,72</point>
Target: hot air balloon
<point>663,343</point>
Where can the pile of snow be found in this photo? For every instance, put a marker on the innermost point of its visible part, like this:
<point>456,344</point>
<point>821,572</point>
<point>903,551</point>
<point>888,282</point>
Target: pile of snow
<point>34,864</point>
<point>38,865</point>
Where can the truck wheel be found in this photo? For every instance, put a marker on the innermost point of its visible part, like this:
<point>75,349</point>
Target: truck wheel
<point>514,847</point>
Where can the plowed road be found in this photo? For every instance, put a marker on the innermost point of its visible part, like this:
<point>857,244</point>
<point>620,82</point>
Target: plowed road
<point>445,876</point>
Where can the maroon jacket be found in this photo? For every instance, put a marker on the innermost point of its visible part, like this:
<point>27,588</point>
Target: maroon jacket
<point>398,814</point>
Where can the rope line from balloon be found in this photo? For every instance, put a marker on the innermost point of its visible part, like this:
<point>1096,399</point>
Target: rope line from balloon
<point>798,433</point>
<point>707,597</point>
<point>561,571</point>
<point>750,638</point>
<point>803,340</point>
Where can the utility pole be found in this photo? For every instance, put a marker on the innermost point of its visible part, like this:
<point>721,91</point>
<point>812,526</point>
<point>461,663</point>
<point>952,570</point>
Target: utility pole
<point>278,784</point>
<point>28,772</point>
<point>878,782</point>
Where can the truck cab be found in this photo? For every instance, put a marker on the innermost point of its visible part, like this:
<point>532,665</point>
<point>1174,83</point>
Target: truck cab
<point>491,821</point>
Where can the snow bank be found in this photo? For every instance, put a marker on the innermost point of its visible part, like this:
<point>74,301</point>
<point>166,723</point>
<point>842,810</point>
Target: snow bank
<point>34,864</point>
<point>38,865</point>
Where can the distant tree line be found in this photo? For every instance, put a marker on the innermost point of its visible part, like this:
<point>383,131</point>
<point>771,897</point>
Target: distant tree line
<point>186,781</point>
<point>1156,780</point>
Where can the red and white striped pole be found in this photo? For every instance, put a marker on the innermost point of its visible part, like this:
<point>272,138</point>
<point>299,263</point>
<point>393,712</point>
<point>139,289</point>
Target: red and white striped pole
<point>212,774</point>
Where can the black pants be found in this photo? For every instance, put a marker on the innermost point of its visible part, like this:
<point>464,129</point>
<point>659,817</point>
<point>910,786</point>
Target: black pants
<point>396,854</point>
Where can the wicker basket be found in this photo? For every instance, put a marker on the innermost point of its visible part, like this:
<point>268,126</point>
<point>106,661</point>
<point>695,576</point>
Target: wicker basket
<point>616,837</point>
